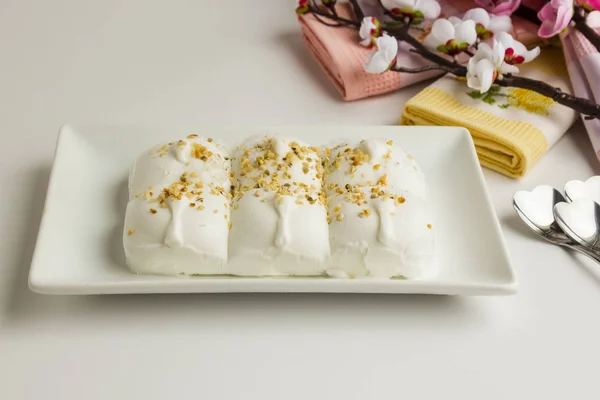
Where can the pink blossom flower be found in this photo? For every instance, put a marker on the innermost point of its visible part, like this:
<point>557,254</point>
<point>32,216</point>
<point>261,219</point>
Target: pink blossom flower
<point>499,7</point>
<point>555,17</point>
<point>589,4</point>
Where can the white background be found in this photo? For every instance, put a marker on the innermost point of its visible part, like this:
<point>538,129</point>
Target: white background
<point>192,62</point>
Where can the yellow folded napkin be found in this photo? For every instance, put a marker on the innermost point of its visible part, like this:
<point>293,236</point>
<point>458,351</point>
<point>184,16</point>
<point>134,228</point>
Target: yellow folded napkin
<point>511,127</point>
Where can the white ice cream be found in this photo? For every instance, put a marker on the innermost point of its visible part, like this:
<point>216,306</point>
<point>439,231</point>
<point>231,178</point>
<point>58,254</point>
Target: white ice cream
<point>365,162</point>
<point>177,219</point>
<point>276,160</point>
<point>278,211</point>
<point>275,234</point>
<point>382,237</point>
<point>279,221</point>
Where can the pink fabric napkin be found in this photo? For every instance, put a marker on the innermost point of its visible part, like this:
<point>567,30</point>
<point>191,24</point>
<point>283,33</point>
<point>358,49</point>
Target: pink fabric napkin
<point>342,58</point>
<point>583,64</point>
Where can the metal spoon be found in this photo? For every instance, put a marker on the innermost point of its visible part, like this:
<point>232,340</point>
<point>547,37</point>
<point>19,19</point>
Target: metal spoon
<point>580,220</point>
<point>543,222</point>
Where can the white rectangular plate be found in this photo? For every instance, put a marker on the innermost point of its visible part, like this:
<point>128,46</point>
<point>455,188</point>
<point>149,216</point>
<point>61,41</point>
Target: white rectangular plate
<point>79,247</point>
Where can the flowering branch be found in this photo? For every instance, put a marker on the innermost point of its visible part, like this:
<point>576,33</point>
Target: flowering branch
<point>487,65</point>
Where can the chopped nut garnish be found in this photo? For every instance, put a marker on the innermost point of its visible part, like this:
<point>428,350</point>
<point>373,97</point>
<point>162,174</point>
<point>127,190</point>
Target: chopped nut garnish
<point>209,140</point>
<point>192,205</point>
<point>225,216</point>
<point>151,187</point>
<point>230,225</point>
<point>337,208</point>
<point>200,207</point>
<point>194,174</point>
<point>215,211</point>
<point>192,136</point>
<point>400,199</point>
<point>364,213</point>
<point>300,202</point>
<point>130,232</point>
<point>257,194</point>
<point>138,194</point>
<point>339,216</point>
<point>383,180</point>
<point>153,211</point>
<point>429,226</point>
<point>389,142</point>
<point>199,185</point>
<point>376,167</point>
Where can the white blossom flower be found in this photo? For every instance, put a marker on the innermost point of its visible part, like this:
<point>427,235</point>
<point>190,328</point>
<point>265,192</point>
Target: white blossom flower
<point>370,29</point>
<point>415,10</point>
<point>486,65</point>
<point>515,52</point>
<point>385,56</point>
<point>451,39</point>
<point>486,25</point>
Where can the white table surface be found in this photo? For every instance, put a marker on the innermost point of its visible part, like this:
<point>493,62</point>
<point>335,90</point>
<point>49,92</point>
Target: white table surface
<point>194,62</point>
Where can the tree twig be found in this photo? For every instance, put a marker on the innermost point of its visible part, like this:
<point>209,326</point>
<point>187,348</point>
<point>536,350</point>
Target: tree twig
<point>333,25</point>
<point>431,67</point>
<point>580,20</point>
<point>318,11</point>
<point>357,10</point>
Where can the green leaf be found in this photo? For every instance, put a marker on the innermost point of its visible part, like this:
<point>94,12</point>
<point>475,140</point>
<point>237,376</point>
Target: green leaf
<point>475,94</point>
<point>489,98</point>
<point>504,106</point>
<point>494,89</point>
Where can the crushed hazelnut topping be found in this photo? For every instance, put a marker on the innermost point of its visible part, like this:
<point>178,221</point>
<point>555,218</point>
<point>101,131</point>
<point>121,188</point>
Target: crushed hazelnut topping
<point>192,205</point>
<point>429,226</point>
<point>215,211</point>
<point>200,207</point>
<point>153,211</point>
<point>209,140</point>
<point>192,136</point>
<point>130,232</point>
<point>364,213</point>
<point>376,167</point>
<point>138,195</point>
<point>400,199</point>
<point>389,142</point>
